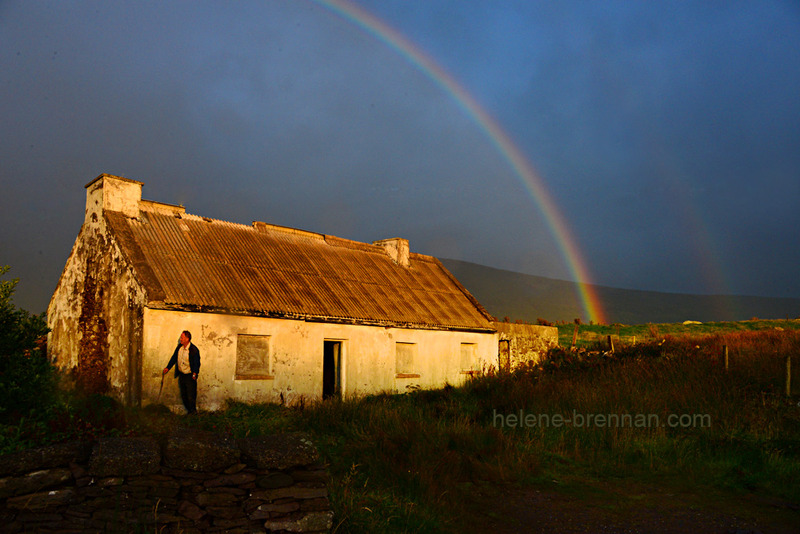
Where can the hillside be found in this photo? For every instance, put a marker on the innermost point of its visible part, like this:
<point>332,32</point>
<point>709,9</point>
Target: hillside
<point>528,297</point>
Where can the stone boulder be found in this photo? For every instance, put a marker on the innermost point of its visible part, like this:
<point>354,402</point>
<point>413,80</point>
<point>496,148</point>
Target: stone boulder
<point>279,451</point>
<point>125,457</point>
<point>191,449</point>
<point>44,457</point>
<point>33,482</point>
<point>42,500</point>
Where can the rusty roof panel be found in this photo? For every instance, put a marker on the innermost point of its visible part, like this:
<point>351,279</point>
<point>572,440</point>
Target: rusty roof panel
<point>195,262</point>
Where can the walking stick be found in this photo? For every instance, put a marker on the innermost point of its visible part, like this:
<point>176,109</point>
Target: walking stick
<point>161,388</point>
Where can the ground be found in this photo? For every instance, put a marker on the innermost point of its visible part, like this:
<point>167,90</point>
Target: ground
<point>626,508</point>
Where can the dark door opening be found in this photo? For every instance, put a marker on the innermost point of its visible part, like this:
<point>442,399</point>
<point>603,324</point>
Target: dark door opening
<point>331,369</point>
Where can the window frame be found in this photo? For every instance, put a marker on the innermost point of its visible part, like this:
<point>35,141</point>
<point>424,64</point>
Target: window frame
<point>470,370</point>
<point>240,373</point>
<point>409,370</point>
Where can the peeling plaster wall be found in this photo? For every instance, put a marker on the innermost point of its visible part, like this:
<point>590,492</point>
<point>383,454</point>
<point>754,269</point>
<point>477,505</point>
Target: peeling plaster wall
<point>95,316</point>
<point>527,342</point>
<point>296,357</point>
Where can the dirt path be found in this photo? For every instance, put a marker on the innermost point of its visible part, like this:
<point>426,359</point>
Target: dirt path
<point>626,509</point>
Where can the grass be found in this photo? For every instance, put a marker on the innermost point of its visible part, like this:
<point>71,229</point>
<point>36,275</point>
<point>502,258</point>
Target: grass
<point>408,463</point>
<point>590,334</point>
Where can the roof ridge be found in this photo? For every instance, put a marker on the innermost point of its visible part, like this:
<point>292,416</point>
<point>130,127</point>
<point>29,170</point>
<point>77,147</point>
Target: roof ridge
<point>179,211</point>
<point>261,226</point>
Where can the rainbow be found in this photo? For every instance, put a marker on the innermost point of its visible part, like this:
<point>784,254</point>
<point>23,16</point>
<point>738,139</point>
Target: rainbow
<point>530,178</point>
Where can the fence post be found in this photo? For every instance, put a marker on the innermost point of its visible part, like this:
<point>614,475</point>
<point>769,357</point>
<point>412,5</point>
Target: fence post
<point>610,344</point>
<point>575,336</point>
<point>725,355</point>
<point>788,375</point>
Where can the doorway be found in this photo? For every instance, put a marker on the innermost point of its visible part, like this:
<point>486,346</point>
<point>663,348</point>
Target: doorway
<point>331,369</point>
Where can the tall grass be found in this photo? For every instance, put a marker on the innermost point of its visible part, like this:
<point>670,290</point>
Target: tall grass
<point>408,463</point>
<point>590,334</point>
<point>746,439</point>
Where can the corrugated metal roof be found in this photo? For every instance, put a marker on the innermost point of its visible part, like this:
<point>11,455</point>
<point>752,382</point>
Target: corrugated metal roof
<point>191,262</point>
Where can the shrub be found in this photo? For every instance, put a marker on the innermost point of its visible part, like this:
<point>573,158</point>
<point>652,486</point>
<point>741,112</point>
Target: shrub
<point>27,380</point>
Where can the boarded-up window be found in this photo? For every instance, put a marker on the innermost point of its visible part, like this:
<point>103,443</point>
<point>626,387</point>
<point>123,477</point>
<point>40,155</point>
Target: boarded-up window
<point>405,360</point>
<point>252,357</point>
<point>468,356</point>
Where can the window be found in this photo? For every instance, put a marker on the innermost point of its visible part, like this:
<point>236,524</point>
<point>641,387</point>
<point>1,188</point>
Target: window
<point>468,357</point>
<point>405,360</point>
<point>252,357</point>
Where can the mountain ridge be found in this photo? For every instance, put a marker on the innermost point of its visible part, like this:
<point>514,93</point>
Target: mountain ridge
<point>529,298</point>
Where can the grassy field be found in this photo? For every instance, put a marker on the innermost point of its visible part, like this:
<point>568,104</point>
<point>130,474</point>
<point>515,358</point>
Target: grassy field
<point>590,334</point>
<point>663,412</point>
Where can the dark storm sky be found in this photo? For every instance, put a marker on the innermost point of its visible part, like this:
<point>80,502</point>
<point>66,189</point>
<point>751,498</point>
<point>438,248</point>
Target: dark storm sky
<point>668,133</point>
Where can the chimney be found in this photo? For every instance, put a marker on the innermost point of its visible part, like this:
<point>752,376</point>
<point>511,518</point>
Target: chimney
<point>396,248</point>
<point>112,193</point>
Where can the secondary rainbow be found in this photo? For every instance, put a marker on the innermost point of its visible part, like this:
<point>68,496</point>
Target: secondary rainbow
<point>530,178</point>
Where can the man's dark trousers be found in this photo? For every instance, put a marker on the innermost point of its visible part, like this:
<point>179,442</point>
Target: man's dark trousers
<point>188,387</point>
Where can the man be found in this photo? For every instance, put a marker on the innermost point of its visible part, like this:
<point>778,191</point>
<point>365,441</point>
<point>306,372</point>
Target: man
<point>186,360</point>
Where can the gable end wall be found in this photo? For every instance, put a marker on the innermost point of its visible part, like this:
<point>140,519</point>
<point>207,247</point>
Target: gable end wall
<point>95,317</point>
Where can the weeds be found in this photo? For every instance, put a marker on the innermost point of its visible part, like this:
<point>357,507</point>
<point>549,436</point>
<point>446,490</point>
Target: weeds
<point>630,334</point>
<point>405,463</point>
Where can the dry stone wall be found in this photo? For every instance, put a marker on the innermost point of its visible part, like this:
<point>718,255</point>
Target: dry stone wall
<point>189,481</point>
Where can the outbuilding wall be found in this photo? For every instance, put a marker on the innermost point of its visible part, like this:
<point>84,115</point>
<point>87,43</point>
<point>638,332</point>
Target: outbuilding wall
<point>296,357</point>
<point>527,343</point>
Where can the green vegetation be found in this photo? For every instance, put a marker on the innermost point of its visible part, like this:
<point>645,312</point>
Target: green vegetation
<point>412,462</point>
<point>27,380</point>
<point>590,334</point>
<point>33,410</point>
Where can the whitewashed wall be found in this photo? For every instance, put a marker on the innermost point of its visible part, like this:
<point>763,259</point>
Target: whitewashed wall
<point>296,351</point>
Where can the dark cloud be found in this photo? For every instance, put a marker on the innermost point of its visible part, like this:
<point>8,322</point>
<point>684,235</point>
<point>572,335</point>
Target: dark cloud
<point>666,132</point>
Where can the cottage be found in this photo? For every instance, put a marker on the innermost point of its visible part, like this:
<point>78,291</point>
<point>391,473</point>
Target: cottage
<point>277,313</point>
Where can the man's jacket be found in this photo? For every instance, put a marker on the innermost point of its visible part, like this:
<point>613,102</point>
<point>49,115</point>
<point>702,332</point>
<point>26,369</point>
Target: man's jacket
<point>194,360</point>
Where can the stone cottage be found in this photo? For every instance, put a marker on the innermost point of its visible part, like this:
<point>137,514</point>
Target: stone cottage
<point>277,313</point>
